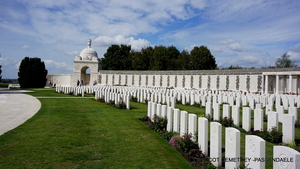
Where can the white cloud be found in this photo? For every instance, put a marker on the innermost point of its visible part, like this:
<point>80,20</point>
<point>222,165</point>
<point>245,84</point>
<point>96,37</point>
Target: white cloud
<point>217,49</point>
<point>295,48</point>
<point>73,53</point>
<point>249,61</point>
<point>106,41</point>
<point>294,56</point>
<point>53,66</point>
<point>236,47</point>
<point>25,46</point>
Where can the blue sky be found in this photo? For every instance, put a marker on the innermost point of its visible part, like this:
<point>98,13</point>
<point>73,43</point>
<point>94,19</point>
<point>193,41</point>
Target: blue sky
<point>244,33</point>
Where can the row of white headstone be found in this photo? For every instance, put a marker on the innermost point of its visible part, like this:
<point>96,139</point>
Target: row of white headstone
<point>103,92</point>
<point>120,94</point>
<point>194,96</point>
<point>183,122</point>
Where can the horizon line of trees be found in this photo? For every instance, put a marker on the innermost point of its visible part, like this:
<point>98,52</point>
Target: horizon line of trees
<point>122,57</point>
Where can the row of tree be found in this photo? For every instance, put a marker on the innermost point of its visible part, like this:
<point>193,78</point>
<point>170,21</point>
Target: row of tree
<point>121,57</point>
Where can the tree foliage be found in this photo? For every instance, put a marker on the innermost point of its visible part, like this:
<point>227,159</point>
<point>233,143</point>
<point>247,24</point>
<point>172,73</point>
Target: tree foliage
<point>121,57</point>
<point>32,73</point>
<point>284,61</point>
<point>202,59</point>
<point>117,57</point>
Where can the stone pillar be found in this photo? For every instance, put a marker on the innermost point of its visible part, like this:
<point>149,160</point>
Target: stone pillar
<point>277,84</point>
<point>290,83</point>
<point>266,84</point>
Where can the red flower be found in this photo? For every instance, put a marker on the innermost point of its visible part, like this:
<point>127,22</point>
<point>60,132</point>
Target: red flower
<point>225,117</point>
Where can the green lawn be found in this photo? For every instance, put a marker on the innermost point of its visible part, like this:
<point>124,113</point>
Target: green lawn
<point>83,133</point>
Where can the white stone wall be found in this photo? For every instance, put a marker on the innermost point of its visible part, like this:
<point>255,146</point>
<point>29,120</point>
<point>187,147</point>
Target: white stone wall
<point>187,82</point>
<point>232,82</point>
<point>213,82</point>
<point>243,83</point>
<point>60,79</point>
<point>143,80</point>
<point>172,80</point>
<point>253,83</point>
<point>157,81</point>
<point>150,80</point>
<point>165,81</point>
<point>123,79</point>
<point>196,81</point>
<point>222,85</point>
<point>136,80</point>
<point>129,80</point>
<point>179,81</point>
<point>204,82</point>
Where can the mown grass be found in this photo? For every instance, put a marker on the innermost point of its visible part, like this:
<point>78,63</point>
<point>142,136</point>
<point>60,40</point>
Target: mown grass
<point>83,133</point>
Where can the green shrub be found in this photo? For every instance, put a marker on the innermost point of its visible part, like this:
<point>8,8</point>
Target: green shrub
<point>272,136</point>
<point>227,122</point>
<point>168,135</point>
<point>158,123</point>
<point>133,99</point>
<point>186,143</point>
<point>145,119</point>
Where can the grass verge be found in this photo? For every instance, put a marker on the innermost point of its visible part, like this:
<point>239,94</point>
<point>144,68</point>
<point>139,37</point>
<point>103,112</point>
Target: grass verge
<point>83,133</point>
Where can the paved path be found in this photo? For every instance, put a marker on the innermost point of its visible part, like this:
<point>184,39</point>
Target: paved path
<point>16,108</point>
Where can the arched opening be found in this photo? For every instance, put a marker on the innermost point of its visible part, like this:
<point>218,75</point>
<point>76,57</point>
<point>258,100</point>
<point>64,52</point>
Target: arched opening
<point>85,75</point>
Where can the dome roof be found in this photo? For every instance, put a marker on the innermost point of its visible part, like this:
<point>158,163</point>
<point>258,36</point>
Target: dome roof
<point>88,53</point>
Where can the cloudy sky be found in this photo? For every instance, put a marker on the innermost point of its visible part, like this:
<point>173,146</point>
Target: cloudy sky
<point>244,33</point>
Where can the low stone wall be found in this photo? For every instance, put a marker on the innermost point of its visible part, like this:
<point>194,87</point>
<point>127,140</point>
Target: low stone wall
<point>252,80</point>
<point>60,79</point>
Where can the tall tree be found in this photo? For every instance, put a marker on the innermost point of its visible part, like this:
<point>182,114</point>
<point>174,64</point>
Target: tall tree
<point>284,61</point>
<point>117,57</point>
<point>184,61</point>
<point>202,59</point>
<point>32,73</point>
<point>172,56</point>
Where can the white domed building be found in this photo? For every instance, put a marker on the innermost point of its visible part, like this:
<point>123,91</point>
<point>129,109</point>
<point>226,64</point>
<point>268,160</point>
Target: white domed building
<point>88,59</point>
<point>86,67</point>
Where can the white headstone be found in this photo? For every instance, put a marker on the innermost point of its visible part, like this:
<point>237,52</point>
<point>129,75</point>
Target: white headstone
<point>216,143</point>
<point>153,109</point>
<point>226,111</point>
<point>170,119</point>
<point>192,125</point>
<point>285,158</point>
<point>255,150</point>
<point>272,120</point>
<point>293,111</point>
<point>158,109</point>
<point>176,120</point>
<point>208,109</point>
<point>288,128</point>
<point>246,123</point>
<point>280,111</point>
<point>236,115</point>
<point>232,147</point>
<point>258,119</point>
<point>183,122</point>
<point>216,115</point>
<point>163,110</point>
<point>203,134</point>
